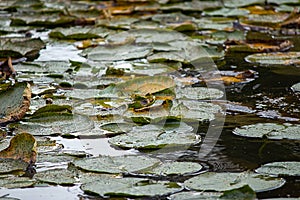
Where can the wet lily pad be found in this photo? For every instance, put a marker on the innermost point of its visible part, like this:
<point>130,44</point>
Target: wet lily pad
<point>141,86</point>
<point>11,181</point>
<point>199,93</point>
<point>20,47</point>
<point>116,53</point>
<point>108,186</point>
<point>56,176</point>
<point>175,168</point>
<point>289,168</point>
<point>296,87</point>
<point>116,164</point>
<point>15,102</point>
<point>118,128</point>
<point>22,146</point>
<point>11,165</point>
<point>288,58</point>
<point>192,195</point>
<point>270,131</point>
<point>79,33</point>
<point>228,181</point>
<point>153,137</point>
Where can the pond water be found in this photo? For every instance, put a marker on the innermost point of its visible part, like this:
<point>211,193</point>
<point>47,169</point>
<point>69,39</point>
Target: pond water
<point>68,74</point>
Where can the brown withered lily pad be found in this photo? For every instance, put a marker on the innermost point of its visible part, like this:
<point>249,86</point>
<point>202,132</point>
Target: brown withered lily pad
<point>23,147</point>
<point>14,102</point>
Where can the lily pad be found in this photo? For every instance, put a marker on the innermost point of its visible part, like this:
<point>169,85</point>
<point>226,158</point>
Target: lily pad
<point>141,86</point>
<point>153,137</point>
<point>198,93</point>
<point>175,168</point>
<point>15,102</point>
<point>116,164</point>
<point>289,168</point>
<point>129,187</point>
<point>193,195</point>
<point>296,87</point>
<point>12,181</point>
<point>278,58</point>
<point>11,165</point>
<point>228,181</point>
<point>56,176</point>
<point>270,131</point>
<point>22,146</point>
<point>117,52</point>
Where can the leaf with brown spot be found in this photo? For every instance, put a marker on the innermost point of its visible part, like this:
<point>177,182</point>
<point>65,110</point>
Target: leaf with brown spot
<point>14,102</point>
<point>23,147</point>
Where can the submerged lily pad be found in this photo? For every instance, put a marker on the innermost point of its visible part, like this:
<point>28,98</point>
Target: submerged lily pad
<point>289,168</point>
<point>228,181</point>
<point>116,164</point>
<point>270,131</point>
<point>22,146</point>
<point>296,87</point>
<point>153,137</point>
<point>56,176</point>
<point>135,187</point>
<point>15,102</point>
<point>278,58</point>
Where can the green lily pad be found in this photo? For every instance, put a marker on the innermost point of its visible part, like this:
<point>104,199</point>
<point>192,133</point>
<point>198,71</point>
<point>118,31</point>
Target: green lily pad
<point>228,181</point>
<point>198,93</point>
<point>116,53</point>
<point>289,168</point>
<point>270,131</point>
<point>228,12</point>
<point>22,146</point>
<point>244,192</point>
<point>175,168</point>
<point>56,176</point>
<point>278,58</point>
<point>153,137</point>
<point>79,33</point>
<point>12,181</point>
<point>20,47</point>
<point>241,3</point>
<point>11,165</point>
<point>192,195</point>
<point>192,6</point>
<point>54,123</point>
<point>135,187</point>
<point>141,86</point>
<point>118,128</point>
<point>116,164</point>
<point>296,87</point>
<point>15,102</point>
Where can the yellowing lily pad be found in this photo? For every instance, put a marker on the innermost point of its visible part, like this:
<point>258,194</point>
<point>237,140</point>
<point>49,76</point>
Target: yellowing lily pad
<point>116,164</point>
<point>14,102</point>
<point>23,147</point>
<point>270,131</point>
<point>227,181</point>
<point>289,168</point>
<point>286,58</point>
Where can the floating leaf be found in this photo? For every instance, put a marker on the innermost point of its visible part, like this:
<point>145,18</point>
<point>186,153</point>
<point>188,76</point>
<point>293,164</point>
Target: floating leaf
<point>12,181</point>
<point>289,168</point>
<point>11,165</point>
<point>270,131</point>
<point>198,93</point>
<point>14,102</point>
<point>116,164</point>
<point>118,128</point>
<point>228,181</point>
<point>141,86</point>
<point>245,192</point>
<point>134,187</point>
<point>20,47</point>
<point>192,195</point>
<point>241,3</point>
<point>153,137</point>
<point>22,146</point>
<point>287,58</point>
<point>175,168</point>
<point>296,87</point>
<point>56,176</point>
<point>117,52</point>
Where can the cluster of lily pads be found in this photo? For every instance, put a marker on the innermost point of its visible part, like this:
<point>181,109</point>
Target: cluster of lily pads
<point>143,74</point>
